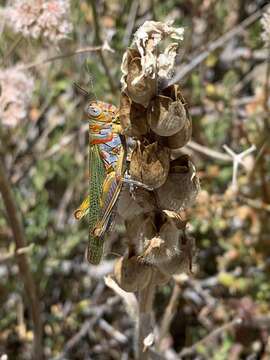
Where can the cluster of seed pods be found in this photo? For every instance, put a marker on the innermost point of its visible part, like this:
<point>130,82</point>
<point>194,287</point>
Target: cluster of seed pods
<point>156,118</point>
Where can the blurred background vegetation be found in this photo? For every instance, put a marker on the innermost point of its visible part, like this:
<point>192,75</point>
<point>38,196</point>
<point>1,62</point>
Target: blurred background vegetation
<point>43,148</point>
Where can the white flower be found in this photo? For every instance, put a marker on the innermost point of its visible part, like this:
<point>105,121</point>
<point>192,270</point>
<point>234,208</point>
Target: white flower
<point>16,92</point>
<point>40,18</point>
<point>265,22</point>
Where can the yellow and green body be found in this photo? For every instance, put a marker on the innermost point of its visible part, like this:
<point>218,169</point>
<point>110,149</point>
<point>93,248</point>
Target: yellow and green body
<point>106,171</point>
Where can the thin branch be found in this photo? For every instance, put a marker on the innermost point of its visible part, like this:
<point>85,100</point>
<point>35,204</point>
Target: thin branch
<point>237,159</point>
<point>31,290</point>
<point>14,254</point>
<point>209,338</point>
<point>83,50</point>
<point>134,8</point>
<point>208,152</point>
<point>169,313</point>
<point>255,203</point>
<point>99,41</point>
<point>129,299</point>
<point>145,322</point>
<point>111,331</point>
<point>12,48</point>
<point>266,86</point>
<point>220,42</point>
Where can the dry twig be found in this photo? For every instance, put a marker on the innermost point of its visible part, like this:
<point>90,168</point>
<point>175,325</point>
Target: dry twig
<point>25,271</point>
<point>209,338</point>
<point>221,41</point>
<point>99,41</point>
<point>237,159</point>
<point>169,313</point>
<point>87,49</point>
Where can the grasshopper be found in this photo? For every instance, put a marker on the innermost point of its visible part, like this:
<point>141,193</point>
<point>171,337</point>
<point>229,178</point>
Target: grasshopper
<point>107,154</point>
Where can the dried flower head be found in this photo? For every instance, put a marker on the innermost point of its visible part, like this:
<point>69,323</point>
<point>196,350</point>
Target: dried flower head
<point>41,18</point>
<point>181,187</point>
<point>140,88</point>
<point>181,261</point>
<point>168,115</point>
<point>132,117</point>
<point>265,22</point>
<point>15,95</point>
<point>157,117</point>
<point>143,64</point>
<point>131,275</point>
<point>146,40</point>
<point>150,164</point>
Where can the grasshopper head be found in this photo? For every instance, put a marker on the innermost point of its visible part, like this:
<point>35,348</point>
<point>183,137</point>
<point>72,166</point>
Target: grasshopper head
<point>100,111</point>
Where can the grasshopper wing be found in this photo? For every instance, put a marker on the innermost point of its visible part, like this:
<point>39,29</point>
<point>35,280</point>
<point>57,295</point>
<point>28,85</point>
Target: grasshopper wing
<point>97,177</point>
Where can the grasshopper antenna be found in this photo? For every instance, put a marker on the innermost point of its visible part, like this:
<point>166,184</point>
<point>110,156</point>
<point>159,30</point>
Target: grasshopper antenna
<point>91,80</point>
<point>81,90</point>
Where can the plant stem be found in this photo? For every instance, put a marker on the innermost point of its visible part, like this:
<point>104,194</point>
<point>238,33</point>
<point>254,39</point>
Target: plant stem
<point>98,42</point>
<point>11,49</point>
<point>169,313</point>
<point>61,56</point>
<point>27,277</point>
<point>145,321</point>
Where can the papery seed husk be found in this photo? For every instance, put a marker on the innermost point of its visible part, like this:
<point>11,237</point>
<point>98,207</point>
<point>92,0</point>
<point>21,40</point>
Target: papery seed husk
<point>181,138</point>
<point>181,187</point>
<point>183,135</point>
<point>139,229</point>
<point>127,207</point>
<point>157,251</point>
<point>164,244</point>
<point>182,262</point>
<point>179,221</point>
<point>150,164</point>
<point>165,116</point>
<point>159,278</point>
<point>124,113</point>
<point>145,199</point>
<point>147,40</point>
<point>132,117</point>
<point>131,275</point>
<point>139,88</point>
<point>176,265</point>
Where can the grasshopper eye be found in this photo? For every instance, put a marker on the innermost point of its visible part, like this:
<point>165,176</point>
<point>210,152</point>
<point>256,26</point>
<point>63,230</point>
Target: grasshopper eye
<point>93,111</point>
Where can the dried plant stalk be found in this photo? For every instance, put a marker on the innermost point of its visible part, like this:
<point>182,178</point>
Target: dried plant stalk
<point>28,280</point>
<point>157,119</point>
<point>145,323</point>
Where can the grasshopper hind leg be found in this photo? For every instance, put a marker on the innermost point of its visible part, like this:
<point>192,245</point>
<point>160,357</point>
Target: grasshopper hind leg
<point>95,250</point>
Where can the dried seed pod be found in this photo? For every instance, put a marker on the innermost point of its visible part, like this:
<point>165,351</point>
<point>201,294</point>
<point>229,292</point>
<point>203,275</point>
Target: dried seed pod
<point>183,135</point>
<point>181,187</point>
<point>181,138</point>
<point>159,278</point>
<point>138,230</point>
<point>150,164</point>
<point>165,116</point>
<point>137,86</point>
<point>181,262</point>
<point>131,275</point>
<point>132,117</point>
<point>145,199</point>
<point>179,222</point>
<point>163,246</point>
<point>127,207</point>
